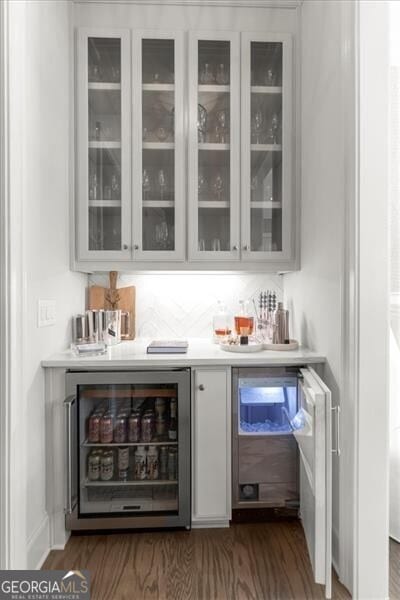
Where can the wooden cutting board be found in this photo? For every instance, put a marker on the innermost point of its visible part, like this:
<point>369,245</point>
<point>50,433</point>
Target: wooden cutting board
<point>114,298</point>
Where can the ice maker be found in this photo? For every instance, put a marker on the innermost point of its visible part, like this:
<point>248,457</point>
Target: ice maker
<point>265,452</point>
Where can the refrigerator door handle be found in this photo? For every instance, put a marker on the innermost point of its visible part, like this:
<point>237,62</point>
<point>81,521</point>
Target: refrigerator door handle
<point>336,410</point>
<point>68,404</point>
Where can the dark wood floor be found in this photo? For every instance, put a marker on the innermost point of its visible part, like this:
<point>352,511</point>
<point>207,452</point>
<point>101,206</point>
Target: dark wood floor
<point>260,561</point>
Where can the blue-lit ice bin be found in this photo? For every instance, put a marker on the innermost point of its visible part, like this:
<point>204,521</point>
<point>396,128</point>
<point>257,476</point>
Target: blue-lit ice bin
<point>265,454</point>
<point>267,405</point>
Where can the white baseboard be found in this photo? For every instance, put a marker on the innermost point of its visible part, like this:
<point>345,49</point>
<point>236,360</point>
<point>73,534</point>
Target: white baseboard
<point>210,524</point>
<point>38,545</point>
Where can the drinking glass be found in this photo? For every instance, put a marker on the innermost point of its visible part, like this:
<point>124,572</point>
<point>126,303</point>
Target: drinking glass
<point>107,192</point>
<point>115,188</point>
<point>162,133</point>
<point>216,245</point>
<point>257,125</point>
<point>202,184</point>
<point>201,123</point>
<point>222,75</point>
<point>218,186</point>
<point>145,184</point>
<point>254,186</point>
<point>269,77</point>
<point>112,330</point>
<point>206,75</point>
<point>221,127</point>
<point>202,245</point>
<point>162,182</point>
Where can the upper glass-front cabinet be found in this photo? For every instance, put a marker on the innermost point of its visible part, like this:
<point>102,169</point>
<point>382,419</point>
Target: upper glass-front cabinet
<point>214,146</point>
<point>266,147</point>
<point>158,142</point>
<point>103,131</point>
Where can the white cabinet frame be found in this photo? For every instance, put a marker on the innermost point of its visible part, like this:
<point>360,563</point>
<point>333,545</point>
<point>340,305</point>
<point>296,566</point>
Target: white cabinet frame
<point>288,213</point>
<point>178,254</point>
<point>234,253</point>
<point>82,148</point>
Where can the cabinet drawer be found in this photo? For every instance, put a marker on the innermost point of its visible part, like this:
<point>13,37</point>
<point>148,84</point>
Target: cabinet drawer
<point>270,459</point>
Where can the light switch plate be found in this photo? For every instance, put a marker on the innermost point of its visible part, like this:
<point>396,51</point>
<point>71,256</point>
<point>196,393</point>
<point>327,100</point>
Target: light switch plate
<point>46,313</point>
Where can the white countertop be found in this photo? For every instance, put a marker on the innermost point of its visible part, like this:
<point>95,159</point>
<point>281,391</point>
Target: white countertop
<point>200,352</point>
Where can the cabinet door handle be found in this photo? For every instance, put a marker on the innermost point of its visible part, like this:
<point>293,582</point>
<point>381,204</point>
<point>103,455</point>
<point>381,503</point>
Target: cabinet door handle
<point>235,247</point>
<point>336,410</point>
<point>201,387</point>
<point>245,247</point>
<point>136,247</point>
<point>125,247</point>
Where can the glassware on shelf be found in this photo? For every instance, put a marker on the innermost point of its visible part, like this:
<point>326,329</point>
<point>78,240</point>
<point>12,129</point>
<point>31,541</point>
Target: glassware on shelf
<point>268,196</point>
<point>216,245</point>
<point>162,183</point>
<point>254,186</point>
<point>115,188</point>
<point>206,75</point>
<point>269,78</point>
<point>257,126</point>
<point>107,192</point>
<point>218,186</point>
<point>221,128</point>
<point>202,244</point>
<point>162,133</point>
<point>97,131</point>
<point>145,134</point>
<point>115,74</point>
<point>93,187</point>
<point>95,73</point>
<point>201,123</point>
<point>156,77</point>
<point>145,184</point>
<point>273,131</point>
<point>222,75</point>
<point>161,235</point>
<point>202,184</point>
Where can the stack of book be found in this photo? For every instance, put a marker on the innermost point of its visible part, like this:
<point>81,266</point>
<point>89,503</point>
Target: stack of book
<point>167,347</point>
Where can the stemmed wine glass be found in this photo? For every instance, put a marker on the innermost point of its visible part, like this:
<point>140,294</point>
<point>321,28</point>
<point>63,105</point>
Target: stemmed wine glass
<point>257,125</point>
<point>218,186</point>
<point>145,183</point>
<point>162,182</point>
<point>221,127</point>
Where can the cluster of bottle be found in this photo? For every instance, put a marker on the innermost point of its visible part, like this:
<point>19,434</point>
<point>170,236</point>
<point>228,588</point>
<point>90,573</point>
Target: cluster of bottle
<point>155,421</point>
<point>137,464</point>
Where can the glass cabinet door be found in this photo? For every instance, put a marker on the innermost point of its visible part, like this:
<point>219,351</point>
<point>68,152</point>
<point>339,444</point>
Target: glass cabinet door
<point>103,211</point>
<point>266,147</point>
<point>159,218</point>
<point>214,147</point>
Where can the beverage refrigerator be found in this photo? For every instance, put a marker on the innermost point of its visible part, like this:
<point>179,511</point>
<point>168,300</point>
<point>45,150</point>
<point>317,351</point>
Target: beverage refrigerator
<point>128,449</point>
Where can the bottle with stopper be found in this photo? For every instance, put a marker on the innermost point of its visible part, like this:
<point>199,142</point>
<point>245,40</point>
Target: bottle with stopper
<point>222,323</point>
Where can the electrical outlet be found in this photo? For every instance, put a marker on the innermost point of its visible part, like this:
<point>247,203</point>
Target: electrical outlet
<point>46,313</point>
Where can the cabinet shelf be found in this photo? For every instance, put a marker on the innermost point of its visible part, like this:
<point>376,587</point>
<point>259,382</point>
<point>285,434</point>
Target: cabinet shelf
<point>213,146</point>
<point>135,482</point>
<point>87,444</point>
<point>213,204</point>
<point>158,203</point>
<point>102,85</point>
<point>105,145</point>
<point>214,88</point>
<point>266,89</point>
<point>158,145</point>
<point>104,203</point>
<point>158,87</point>
<point>265,204</point>
<point>266,147</point>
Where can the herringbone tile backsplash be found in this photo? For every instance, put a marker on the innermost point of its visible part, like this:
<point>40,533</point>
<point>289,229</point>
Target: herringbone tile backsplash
<point>183,305</point>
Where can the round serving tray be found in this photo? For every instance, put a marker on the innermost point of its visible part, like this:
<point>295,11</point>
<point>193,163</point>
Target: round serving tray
<point>242,348</point>
<point>292,345</point>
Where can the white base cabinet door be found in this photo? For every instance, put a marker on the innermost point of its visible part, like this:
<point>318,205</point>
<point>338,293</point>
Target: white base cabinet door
<point>211,448</point>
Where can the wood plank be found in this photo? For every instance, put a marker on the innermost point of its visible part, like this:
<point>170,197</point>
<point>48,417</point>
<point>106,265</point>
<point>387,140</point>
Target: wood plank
<point>257,561</point>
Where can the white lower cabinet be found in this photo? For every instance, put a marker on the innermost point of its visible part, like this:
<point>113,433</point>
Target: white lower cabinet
<point>211,447</point>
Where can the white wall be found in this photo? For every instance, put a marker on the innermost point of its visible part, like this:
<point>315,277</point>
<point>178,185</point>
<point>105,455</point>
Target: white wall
<point>315,292</point>
<point>42,80</point>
